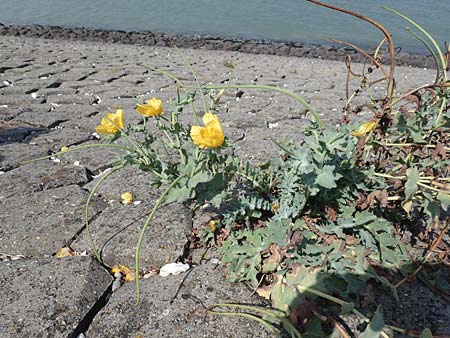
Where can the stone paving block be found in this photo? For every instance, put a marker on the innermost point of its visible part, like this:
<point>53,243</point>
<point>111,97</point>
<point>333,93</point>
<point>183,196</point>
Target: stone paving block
<point>43,222</point>
<point>61,136</point>
<point>13,154</point>
<point>40,176</point>
<point>47,117</point>
<point>48,298</point>
<point>95,159</point>
<point>74,99</point>
<point>116,230</point>
<point>11,131</point>
<point>174,306</point>
<point>6,112</point>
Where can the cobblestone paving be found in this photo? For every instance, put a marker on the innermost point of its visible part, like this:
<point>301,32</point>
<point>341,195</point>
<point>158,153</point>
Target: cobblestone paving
<point>52,94</point>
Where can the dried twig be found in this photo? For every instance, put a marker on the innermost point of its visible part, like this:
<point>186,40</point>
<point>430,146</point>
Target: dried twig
<point>387,35</point>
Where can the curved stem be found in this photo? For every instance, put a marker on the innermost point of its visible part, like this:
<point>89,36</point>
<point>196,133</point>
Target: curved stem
<point>86,211</point>
<point>267,325</point>
<point>430,49</point>
<point>275,89</point>
<point>387,35</point>
<point>433,41</point>
<point>179,82</point>
<point>199,86</point>
<point>302,288</point>
<point>441,111</point>
<point>432,188</point>
<point>363,52</point>
<point>158,203</point>
<point>107,145</point>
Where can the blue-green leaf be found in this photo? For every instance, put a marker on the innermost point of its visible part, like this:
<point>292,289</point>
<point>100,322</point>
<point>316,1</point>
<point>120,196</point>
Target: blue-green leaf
<point>327,178</point>
<point>411,184</point>
<point>426,334</point>
<point>375,326</point>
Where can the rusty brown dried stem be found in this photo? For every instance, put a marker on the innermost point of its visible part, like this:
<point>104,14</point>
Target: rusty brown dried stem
<point>363,52</point>
<point>387,35</point>
<point>433,247</point>
<point>411,92</point>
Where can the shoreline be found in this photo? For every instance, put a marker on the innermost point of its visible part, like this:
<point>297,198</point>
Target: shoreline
<point>207,42</point>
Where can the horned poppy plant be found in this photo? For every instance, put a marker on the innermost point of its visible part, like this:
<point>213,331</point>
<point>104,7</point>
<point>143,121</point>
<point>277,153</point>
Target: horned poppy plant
<point>209,136</point>
<point>364,129</point>
<point>112,123</point>
<point>152,107</point>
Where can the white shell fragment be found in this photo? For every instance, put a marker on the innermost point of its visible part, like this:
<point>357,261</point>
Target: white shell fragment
<point>173,269</point>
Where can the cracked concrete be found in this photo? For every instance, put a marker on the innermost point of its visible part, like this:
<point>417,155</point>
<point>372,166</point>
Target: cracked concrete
<point>47,297</point>
<point>52,94</point>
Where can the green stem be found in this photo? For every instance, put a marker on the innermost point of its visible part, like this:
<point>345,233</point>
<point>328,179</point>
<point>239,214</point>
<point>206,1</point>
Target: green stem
<point>441,111</point>
<point>86,210</point>
<point>251,180</point>
<point>433,41</point>
<point>199,86</point>
<point>107,145</point>
<point>318,293</point>
<point>144,228</point>
<point>179,82</point>
<point>136,146</point>
<point>432,188</point>
<point>390,176</point>
<point>430,49</point>
<point>269,327</point>
<point>275,313</point>
<point>276,89</point>
<point>400,145</point>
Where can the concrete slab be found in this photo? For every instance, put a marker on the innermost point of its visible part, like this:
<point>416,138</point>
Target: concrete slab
<point>43,222</point>
<point>174,306</point>
<point>48,298</point>
<point>38,176</point>
<point>117,228</point>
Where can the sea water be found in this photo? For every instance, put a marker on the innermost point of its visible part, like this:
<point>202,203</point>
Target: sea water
<point>286,20</point>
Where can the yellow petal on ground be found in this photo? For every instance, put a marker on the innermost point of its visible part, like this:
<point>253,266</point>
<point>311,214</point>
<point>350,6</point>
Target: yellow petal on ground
<point>152,107</point>
<point>66,252</point>
<point>127,198</point>
<point>209,136</point>
<point>112,123</point>
<point>64,148</point>
<point>126,272</point>
<point>131,276</point>
<point>364,129</point>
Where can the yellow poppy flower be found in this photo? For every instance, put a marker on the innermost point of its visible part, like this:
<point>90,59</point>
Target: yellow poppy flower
<point>112,123</point>
<point>364,129</point>
<point>209,136</point>
<point>152,107</point>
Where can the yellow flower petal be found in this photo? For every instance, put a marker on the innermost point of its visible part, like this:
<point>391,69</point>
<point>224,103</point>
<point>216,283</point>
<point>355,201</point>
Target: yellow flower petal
<point>127,197</point>
<point>209,136</point>
<point>112,123</point>
<point>152,107</point>
<point>212,225</point>
<point>65,252</point>
<point>129,275</point>
<point>209,117</point>
<point>364,129</point>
